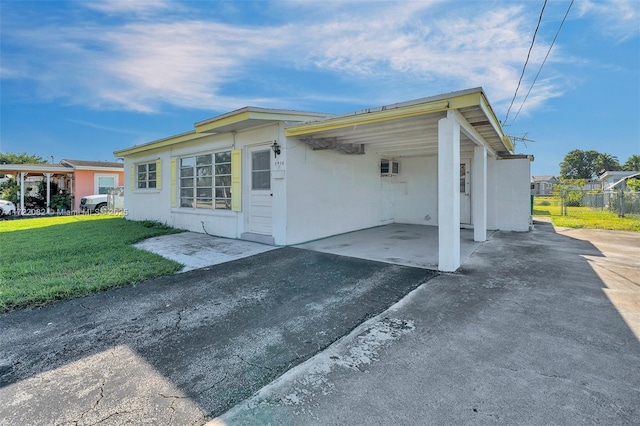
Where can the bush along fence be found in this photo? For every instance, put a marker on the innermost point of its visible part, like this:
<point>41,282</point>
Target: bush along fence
<point>624,200</point>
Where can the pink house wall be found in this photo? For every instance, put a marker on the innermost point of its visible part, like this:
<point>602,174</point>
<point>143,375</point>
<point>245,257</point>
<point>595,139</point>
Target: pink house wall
<point>84,183</point>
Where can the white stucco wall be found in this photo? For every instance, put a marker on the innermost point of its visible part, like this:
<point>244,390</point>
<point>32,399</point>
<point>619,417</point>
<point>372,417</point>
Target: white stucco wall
<point>330,193</point>
<point>416,191</point>
<point>153,204</point>
<point>508,194</point>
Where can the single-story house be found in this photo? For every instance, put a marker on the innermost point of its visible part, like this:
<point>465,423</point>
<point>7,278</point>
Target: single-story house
<point>78,177</point>
<point>287,177</point>
<point>609,178</point>
<point>543,185</point>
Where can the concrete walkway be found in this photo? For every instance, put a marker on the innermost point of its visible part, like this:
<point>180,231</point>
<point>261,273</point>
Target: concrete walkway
<point>195,250</point>
<point>540,328</point>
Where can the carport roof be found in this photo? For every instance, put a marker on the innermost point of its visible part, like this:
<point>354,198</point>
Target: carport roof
<point>400,129</point>
<point>408,128</point>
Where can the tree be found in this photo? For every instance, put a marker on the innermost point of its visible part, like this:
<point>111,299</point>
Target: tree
<point>578,164</point>
<point>632,164</point>
<point>633,184</point>
<point>24,158</point>
<point>606,162</point>
<point>10,190</point>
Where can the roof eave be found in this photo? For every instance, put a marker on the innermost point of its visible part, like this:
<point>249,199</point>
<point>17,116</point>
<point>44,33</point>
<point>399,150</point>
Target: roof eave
<point>160,143</point>
<point>253,113</point>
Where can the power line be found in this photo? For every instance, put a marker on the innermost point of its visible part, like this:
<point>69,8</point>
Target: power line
<point>526,61</point>
<point>543,62</point>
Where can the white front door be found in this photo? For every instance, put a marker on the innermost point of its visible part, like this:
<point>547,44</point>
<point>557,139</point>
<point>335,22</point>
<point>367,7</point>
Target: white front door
<point>259,190</point>
<point>465,191</point>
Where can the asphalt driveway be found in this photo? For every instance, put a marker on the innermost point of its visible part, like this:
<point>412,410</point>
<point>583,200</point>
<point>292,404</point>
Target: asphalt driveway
<point>185,348</point>
<point>537,328</point>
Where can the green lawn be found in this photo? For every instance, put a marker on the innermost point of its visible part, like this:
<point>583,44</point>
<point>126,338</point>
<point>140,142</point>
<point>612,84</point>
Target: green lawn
<point>48,259</point>
<point>585,217</point>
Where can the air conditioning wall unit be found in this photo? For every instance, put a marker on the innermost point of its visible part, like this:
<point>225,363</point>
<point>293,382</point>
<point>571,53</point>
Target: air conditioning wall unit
<point>389,168</point>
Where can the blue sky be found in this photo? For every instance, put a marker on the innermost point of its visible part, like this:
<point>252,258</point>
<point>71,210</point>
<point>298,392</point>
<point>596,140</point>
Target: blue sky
<point>81,79</point>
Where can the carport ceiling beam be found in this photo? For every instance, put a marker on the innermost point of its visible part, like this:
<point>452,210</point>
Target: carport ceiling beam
<point>397,153</point>
<point>363,118</point>
<point>471,133</point>
<point>367,137</point>
<point>403,145</point>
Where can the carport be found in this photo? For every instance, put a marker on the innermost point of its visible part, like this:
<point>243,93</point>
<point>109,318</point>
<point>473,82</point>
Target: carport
<point>396,243</point>
<point>455,132</point>
<point>48,171</point>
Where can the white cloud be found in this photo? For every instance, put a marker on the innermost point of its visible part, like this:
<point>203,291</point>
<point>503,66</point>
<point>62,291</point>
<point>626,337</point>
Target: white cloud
<point>144,65</point>
<point>618,19</point>
<point>112,7</point>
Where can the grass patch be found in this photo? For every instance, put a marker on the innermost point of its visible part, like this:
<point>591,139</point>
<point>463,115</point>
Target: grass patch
<point>54,258</point>
<point>585,217</point>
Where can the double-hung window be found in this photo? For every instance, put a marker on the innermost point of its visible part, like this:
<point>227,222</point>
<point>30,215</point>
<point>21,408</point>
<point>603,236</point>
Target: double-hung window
<point>146,175</point>
<point>205,181</point>
<point>105,183</point>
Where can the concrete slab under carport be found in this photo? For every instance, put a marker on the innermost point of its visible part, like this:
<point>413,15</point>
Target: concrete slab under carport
<point>397,243</point>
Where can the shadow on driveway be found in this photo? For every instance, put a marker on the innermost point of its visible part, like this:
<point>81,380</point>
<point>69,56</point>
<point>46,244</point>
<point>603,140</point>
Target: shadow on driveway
<point>186,348</point>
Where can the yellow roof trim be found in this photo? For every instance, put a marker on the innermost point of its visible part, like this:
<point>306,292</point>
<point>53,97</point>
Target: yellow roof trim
<point>210,126</point>
<point>488,111</point>
<point>223,122</point>
<point>184,137</point>
<point>367,118</point>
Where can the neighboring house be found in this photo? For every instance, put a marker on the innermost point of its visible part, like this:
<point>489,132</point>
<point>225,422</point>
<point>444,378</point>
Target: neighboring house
<point>608,178</point>
<point>78,177</point>
<point>287,177</point>
<point>543,185</point>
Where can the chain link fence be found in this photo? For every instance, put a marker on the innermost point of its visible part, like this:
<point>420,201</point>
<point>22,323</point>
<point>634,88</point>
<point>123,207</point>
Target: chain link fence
<point>621,202</point>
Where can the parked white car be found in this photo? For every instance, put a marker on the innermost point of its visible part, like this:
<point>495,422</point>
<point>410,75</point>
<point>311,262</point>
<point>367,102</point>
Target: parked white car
<point>7,208</point>
<point>94,203</point>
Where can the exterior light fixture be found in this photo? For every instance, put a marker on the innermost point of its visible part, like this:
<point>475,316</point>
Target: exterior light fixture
<point>276,148</point>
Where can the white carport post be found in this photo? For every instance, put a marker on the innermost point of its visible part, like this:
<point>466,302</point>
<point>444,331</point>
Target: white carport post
<point>22,176</point>
<point>448,193</point>
<point>479,193</point>
<point>48,175</point>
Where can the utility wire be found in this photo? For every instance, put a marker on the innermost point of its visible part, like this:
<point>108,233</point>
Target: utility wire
<point>543,62</point>
<point>527,60</point>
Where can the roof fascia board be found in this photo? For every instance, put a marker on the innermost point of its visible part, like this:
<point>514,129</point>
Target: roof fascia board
<point>212,125</point>
<point>8,168</point>
<point>495,123</point>
<point>367,118</point>
<point>98,168</point>
<point>467,129</point>
<point>184,137</point>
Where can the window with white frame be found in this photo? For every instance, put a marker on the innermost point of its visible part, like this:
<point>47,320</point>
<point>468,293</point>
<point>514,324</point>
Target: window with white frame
<point>205,181</point>
<point>105,183</point>
<point>146,175</point>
